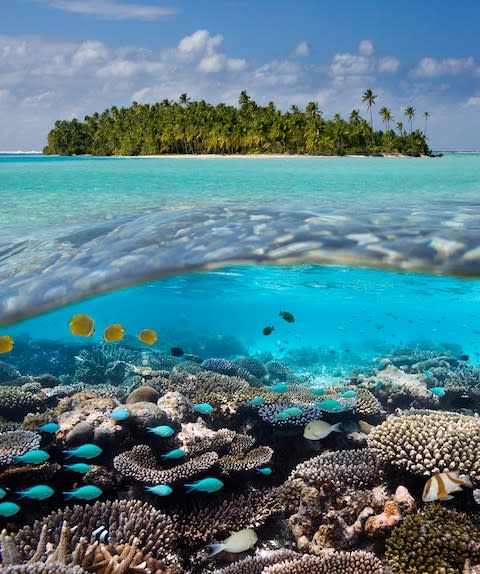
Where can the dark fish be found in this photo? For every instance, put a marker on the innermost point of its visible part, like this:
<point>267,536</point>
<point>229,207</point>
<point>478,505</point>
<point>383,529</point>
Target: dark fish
<point>268,330</point>
<point>177,352</point>
<point>464,357</point>
<point>289,318</point>
<point>193,358</point>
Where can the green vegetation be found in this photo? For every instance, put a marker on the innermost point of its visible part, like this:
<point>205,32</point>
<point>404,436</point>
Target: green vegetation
<point>187,127</point>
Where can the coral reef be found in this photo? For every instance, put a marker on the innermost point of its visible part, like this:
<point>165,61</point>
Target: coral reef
<point>269,413</point>
<point>17,442</point>
<point>357,562</point>
<point>221,366</point>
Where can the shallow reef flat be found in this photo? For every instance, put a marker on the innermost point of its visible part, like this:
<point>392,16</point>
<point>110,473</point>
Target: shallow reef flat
<point>152,460</point>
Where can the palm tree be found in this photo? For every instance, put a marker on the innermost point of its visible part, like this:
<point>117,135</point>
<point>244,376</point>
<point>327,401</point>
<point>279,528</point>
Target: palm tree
<point>386,116</point>
<point>369,98</point>
<point>400,128</point>
<point>355,118</point>
<point>410,112</point>
<point>426,115</point>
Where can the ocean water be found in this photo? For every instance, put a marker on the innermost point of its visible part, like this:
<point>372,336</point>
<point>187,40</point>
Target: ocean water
<point>376,258</point>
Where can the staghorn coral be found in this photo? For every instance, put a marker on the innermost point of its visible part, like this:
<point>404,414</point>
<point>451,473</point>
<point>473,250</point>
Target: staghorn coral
<point>436,540</point>
<point>42,568</point>
<point>17,442</point>
<point>246,461</point>
<point>428,442</point>
<point>141,464</point>
<point>198,524</point>
<point>366,403</point>
<point>356,562</point>
<point>125,520</point>
<point>255,564</point>
<point>357,468</point>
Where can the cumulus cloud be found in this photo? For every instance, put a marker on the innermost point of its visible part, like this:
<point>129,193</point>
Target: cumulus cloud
<point>388,64</point>
<point>365,48</point>
<point>302,50</point>
<point>112,9</point>
<point>472,102</point>
<point>278,73</point>
<point>350,64</point>
<point>432,68</point>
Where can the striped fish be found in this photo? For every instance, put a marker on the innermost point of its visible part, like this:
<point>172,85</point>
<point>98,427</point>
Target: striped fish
<point>439,486</point>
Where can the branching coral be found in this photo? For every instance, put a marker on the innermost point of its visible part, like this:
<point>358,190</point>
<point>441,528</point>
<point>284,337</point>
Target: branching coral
<point>357,562</point>
<point>202,523</point>
<point>436,540</point>
<point>357,468</point>
<point>256,564</point>
<point>366,403</point>
<point>246,461</point>
<point>429,442</point>
<point>17,442</point>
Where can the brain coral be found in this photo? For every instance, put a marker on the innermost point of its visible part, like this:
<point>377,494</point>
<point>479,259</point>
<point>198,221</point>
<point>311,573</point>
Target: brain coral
<point>435,541</point>
<point>357,468</point>
<point>428,442</point>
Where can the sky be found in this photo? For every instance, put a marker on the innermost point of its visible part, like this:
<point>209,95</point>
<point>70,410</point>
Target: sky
<point>61,59</point>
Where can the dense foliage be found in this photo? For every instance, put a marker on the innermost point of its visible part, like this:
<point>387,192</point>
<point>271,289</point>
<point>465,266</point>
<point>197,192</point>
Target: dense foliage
<point>187,127</point>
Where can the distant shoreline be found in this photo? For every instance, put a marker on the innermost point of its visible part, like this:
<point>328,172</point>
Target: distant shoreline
<point>247,156</point>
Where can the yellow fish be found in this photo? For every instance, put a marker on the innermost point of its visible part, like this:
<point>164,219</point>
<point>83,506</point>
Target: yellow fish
<point>440,485</point>
<point>81,325</point>
<point>6,344</point>
<point>114,332</point>
<point>148,336</point>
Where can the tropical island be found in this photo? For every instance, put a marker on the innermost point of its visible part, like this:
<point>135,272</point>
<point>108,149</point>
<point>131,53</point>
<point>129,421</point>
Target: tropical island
<point>198,127</point>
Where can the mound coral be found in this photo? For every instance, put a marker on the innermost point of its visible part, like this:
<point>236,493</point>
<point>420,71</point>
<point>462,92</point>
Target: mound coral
<point>428,442</point>
<point>17,442</point>
<point>221,366</point>
<point>269,413</point>
<point>436,540</point>
<point>15,402</point>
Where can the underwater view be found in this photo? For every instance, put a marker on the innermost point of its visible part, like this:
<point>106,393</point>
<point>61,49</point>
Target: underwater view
<point>240,365</point>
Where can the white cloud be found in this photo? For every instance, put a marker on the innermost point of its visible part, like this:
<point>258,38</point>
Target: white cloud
<point>388,64</point>
<point>365,48</point>
<point>278,73</point>
<point>89,53</point>
<point>219,62</point>
<point>350,64</point>
<point>112,9</point>
<point>432,68</point>
<point>473,102</point>
<point>199,41</point>
<point>302,50</point>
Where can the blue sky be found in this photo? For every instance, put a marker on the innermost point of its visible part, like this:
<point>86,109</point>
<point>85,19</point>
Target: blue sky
<point>67,58</point>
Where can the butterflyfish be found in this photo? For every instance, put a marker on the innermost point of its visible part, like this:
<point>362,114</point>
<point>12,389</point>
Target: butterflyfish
<point>160,489</point>
<point>6,344</point>
<point>440,485</point>
<point>49,427</point>
<point>316,430</point>
<point>114,332</point>
<point>88,492</point>
<point>205,485</point>
<point>32,457</point>
<point>84,451</point>
<point>38,492</point>
<point>8,508</point>
<point>148,336</point>
<point>287,316</point>
<point>237,542</point>
<point>81,325</point>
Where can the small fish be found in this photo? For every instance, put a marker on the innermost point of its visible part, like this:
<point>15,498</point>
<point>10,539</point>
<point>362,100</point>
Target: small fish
<point>8,508</point>
<point>203,408</point>
<point>205,485</point>
<point>175,453</point>
<point>257,401</point>
<point>6,344</point>
<point>268,330</point>
<point>428,374</point>
<point>265,471</point>
<point>119,414</point>
<point>440,485</point>
<point>316,430</point>
<point>330,405</point>
<point>88,492</point>
<point>3,493</point>
<point>318,392</point>
<point>162,430</point>
<point>177,352</point>
<point>81,325</point>
<point>237,542</point>
<point>148,336</point>
<point>101,534</point>
<point>32,457</point>
<point>84,451</point>
<point>464,357</point>
<point>437,391</point>
<point>114,332</point>
<point>38,492</point>
<point>160,489</point>
<point>289,318</point>
<point>291,412</point>
<point>349,394</point>
<point>49,427</point>
<point>80,467</point>
<point>278,388</point>
<point>193,358</point>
